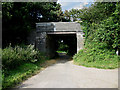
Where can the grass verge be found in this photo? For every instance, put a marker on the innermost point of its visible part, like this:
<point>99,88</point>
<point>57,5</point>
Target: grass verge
<point>95,56</point>
<point>98,64</point>
<point>23,72</point>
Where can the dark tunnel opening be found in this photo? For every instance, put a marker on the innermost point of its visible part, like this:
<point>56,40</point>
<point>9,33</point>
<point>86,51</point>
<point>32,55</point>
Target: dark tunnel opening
<point>62,43</point>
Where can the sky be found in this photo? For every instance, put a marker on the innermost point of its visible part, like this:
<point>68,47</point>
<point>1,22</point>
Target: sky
<point>76,4</point>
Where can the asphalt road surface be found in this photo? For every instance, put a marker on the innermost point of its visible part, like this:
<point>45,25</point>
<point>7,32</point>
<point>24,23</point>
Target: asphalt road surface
<point>64,74</point>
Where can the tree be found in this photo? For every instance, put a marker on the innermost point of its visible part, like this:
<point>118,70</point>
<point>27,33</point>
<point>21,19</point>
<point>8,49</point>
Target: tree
<point>19,18</point>
<point>67,15</point>
<point>101,23</point>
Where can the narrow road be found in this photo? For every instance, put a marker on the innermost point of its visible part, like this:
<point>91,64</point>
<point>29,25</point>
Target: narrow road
<point>64,74</point>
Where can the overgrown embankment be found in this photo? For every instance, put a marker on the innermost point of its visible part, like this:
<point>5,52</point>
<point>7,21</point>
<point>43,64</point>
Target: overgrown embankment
<point>19,63</point>
<point>96,55</point>
<point>101,25</point>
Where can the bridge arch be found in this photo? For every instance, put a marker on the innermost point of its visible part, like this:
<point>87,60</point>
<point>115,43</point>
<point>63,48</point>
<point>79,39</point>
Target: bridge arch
<point>47,32</point>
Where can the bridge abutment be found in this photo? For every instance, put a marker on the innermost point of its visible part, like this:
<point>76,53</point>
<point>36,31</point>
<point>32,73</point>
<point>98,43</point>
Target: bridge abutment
<point>41,41</point>
<point>80,41</point>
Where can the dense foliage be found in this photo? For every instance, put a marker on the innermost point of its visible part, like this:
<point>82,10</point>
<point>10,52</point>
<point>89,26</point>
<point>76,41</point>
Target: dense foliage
<point>19,18</point>
<point>13,57</point>
<point>101,25</point>
<point>62,46</point>
<point>18,63</point>
<point>97,55</point>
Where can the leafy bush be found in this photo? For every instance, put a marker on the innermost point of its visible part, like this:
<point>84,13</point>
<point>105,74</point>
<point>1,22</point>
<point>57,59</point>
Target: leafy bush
<point>108,32</point>
<point>13,57</point>
<point>96,55</point>
<point>62,46</point>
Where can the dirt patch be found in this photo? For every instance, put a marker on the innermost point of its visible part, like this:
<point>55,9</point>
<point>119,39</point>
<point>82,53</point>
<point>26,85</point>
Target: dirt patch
<point>48,63</point>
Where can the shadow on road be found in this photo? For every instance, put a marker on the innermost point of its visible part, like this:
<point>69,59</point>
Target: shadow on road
<point>63,58</point>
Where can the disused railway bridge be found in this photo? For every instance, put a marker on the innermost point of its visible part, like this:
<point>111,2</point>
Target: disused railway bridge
<point>47,33</point>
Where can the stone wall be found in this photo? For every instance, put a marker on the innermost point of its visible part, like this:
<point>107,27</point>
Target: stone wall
<point>41,41</point>
<point>31,37</point>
